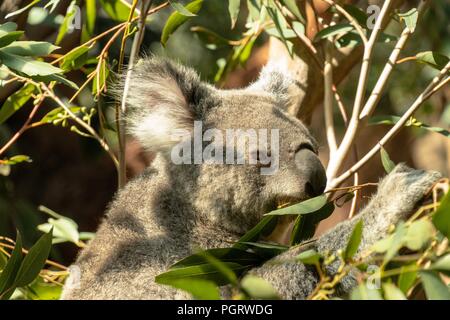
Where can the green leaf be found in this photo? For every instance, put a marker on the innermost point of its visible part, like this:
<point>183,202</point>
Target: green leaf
<point>58,78</point>
<point>391,120</point>
<point>442,265</point>
<point>176,19</point>
<point>89,20</point>
<point>281,26</point>
<point>27,65</point>
<point>16,101</point>
<point>388,164</point>
<point>258,288</point>
<point>291,5</point>
<point>406,278</point>
<point>359,15</point>
<point>17,159</point>
<point>433,59</point>
<point>362,292</point>
<point>339,28</point>
<point>233,9</point>
<point>34,261</point>
<point>419,233</point>
<point>435,289</point>
<point>309,257</point>
<point>75,58</point>
<point>397,242</point>
<point>306,225</point>
<point>410,18</point>
<point>9,273</point>
<point>391,292</point>
<point>116,9</point>
<point>354,241</point>
<point>100,78</point>
<point>63,228</point>
<point>264,228</point>
<point>222,268</point>
<point>441,218</point>
<point>30,48</point>
<point>180,8</point>
<point>199,288</point>
<point>25,8</point>
<point>7,27</point>
<point>265,249</point>
<point>72,10</point>
<point>234,255</point>
<point>304,207</point>
<point>202,271</point>
<point>6,38</point>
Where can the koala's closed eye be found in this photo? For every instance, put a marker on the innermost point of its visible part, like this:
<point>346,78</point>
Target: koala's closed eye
<point>261,158</point>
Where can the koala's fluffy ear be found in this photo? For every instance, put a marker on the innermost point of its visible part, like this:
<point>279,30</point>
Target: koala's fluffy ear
<point>276,79</point>
<point>161,102</point>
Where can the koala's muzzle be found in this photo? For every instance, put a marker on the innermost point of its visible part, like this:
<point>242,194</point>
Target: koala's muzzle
<point>311,172</point>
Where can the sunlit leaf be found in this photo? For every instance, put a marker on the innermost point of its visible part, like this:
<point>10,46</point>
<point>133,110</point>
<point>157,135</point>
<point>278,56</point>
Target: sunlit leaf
<point>233,9</point>
<point>354,241</point>
<point>410,18</point>
<point>433,59</point>
<point>180,8</point>
<point>30,48</point>
<point>258,288</point>
<point>441,218</point>
<point>176,19</point>
<point>304,207</point>
<point>391,292</point>
<point>25,8</point>
<point>442,265</point>
<point>309,257</point>
<point>116,9</point>
<point>336,29</point>
<point>388,164</point>
<point>27,65</point>
<point>199,288</point>
<point>419,233</point>
<point>72,11</point>
<point>363,292</point>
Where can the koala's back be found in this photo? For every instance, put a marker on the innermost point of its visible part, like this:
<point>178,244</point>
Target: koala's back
<point>146,230</point>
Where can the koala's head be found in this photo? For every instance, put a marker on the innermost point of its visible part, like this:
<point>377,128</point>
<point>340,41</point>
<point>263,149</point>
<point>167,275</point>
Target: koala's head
<point>193,126</point>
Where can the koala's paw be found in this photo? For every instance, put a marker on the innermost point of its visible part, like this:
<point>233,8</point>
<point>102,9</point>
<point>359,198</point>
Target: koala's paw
<point>406,186</point>
<point>398,195</point>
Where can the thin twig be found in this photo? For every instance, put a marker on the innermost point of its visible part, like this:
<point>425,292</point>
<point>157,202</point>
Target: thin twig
<point>83,124</point>
<point>138,37</point>
<point>349,137</point>
<point>435,85</point>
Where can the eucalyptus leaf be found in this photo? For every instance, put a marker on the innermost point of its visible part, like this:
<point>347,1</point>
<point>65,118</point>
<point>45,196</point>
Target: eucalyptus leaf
<point>34,261</point>
<point>16,101</point>
<point>435,289</point>
<point>30,48</point>
<point>176,19</point>
<point>233,9</point>
<point>258,288</point>
<point>27,65</point>
<point>199,288</point>
<point>9,273</point>
<point>441,218</point>
<point>433,59</point>
<point>388,164</point>
<point>391,292</point>
<point>354,241</point>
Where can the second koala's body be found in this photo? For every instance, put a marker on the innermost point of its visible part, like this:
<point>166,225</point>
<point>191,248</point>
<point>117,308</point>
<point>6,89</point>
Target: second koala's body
<point>171,210</point>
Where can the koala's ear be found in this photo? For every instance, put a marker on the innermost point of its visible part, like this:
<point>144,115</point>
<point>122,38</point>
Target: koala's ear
<point>276,79</point>
<point>161,102</point>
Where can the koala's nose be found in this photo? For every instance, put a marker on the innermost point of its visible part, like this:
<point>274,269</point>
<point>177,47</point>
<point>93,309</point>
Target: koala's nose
<point>311,171</point>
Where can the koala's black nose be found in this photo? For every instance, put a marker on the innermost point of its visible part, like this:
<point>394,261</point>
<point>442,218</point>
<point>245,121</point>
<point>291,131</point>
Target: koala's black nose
<point>311,171</point>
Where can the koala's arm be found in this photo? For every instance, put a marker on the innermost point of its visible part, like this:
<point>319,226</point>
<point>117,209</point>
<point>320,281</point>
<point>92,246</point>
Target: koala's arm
<point>397,196</point>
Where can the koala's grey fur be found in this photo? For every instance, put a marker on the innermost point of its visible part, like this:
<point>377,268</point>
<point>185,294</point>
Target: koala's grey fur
<point>170,210</point>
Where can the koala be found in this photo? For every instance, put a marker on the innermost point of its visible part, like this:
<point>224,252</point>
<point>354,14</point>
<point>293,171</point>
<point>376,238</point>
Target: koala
<point>172,209</point>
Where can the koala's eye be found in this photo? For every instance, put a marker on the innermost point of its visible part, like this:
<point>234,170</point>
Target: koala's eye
<point>262,158</point>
